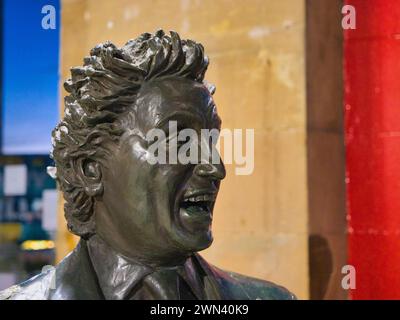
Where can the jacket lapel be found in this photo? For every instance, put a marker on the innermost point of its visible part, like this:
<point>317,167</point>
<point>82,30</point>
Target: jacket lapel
<point>212,284</point>
<point>76,278</point>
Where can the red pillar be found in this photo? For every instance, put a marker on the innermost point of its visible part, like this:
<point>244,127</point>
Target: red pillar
<point>372,131</point>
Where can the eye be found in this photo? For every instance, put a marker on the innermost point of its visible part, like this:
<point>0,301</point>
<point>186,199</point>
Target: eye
<point>173,138</point>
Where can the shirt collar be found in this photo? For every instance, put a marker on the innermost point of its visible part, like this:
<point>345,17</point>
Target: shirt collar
<point>118,276</point>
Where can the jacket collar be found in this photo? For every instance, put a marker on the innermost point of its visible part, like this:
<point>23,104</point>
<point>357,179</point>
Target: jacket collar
<point>85,274</point>
<point>117,276</point>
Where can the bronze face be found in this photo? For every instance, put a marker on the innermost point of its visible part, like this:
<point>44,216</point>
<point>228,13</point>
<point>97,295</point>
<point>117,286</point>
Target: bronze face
<point>158,213</point>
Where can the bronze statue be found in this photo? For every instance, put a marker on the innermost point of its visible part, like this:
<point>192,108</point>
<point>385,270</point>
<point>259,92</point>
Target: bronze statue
<point>141,225</point>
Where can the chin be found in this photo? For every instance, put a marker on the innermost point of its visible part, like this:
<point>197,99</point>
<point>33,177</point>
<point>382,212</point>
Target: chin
<point>205,242</point>
<point>195,242</point>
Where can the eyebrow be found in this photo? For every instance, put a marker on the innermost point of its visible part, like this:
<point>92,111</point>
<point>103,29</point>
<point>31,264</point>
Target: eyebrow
<point>179,116</point>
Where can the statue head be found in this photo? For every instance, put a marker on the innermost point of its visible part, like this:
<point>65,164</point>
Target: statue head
<point>153,212</point>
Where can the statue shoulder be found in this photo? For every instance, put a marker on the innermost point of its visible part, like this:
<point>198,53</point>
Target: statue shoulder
<point>10,292</point>
<point>239,286</point>
<point>235,286</point>
<point>36,288</point>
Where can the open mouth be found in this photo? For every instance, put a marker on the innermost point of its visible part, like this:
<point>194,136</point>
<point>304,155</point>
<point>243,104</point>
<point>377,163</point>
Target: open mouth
<point>195,210</point>
<point>200,204</point>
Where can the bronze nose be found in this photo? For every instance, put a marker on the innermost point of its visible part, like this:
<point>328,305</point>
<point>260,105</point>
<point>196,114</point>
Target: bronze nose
<point>214,171</point>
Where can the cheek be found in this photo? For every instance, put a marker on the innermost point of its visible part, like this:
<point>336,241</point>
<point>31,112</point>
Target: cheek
<point>132,179</point>
<point>176,176</point>
<point>123,175</point>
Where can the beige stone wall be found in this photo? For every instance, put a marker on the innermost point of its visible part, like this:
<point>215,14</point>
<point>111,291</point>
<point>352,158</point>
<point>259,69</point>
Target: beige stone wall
<point>256,48</point>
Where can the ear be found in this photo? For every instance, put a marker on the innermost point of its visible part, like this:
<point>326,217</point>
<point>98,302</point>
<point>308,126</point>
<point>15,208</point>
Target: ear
<point>90,174</point>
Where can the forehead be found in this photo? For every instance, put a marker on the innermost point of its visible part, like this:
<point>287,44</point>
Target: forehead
<point>174,98</point>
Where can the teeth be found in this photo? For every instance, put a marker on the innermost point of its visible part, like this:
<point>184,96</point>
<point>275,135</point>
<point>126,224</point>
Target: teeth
<point>204,197</point>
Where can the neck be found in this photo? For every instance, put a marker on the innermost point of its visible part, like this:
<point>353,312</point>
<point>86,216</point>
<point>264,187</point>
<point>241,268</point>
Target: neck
<point>98,247</point>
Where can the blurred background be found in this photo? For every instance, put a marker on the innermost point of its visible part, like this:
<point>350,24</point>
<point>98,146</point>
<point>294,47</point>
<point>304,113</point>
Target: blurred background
<point>29,111</point>
<point>320,91</point>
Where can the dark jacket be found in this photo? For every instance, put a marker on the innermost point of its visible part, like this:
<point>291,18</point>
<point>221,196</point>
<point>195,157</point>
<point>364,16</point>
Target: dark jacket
<point>75,279</point>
